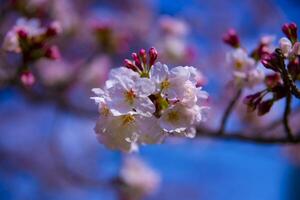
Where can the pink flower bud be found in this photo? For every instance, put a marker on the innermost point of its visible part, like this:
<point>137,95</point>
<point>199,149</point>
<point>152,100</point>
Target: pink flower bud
<point>271,61</point>
<point>273,80</point>
<point>231,38</point>
<point>290,30</point>
<point>52,53</point>
<point>129,65</point>
<point>285,29</point>
<point>53,29</point>
<point>27,79</point>
<point>22,33</point>
<point>153,56</point>
<point>137,60</point>
<point>143,56</point>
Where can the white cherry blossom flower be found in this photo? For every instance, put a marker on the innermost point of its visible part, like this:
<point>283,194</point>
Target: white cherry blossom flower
<point>178,118</point>
<point>239,60</point>
<point>288,49</point>
<point>128,93</point>
<point>125,132</point>
<point>245,71</point>
<point>285,45</point>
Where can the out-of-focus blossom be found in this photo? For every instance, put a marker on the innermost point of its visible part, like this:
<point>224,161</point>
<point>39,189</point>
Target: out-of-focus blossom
<point>288,49</point>
<point>139,176</point>
<point>97,71</point>
<point>231,38</point>
<point>65,13</point>
<point>54,73</point>
<point>172,40</point>
<point>173,26</point>
<point>244,68</point>
<point>142,103</point>
<point>23,29</point>
<point>27,78</point>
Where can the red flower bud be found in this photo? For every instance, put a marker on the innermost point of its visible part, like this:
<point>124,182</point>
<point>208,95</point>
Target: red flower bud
<point>290,30</point>
<point>231,38</point>
<point>129,65</point>
<point>53,29</point>
<point>143,56</point>
<point>153,56</point>
<point>137,61</point>
<point>273,80</point>
<point>22,34</point>
<point>264,107</point>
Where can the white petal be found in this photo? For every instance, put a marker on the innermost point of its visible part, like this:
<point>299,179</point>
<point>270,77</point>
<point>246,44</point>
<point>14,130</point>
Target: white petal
<point>285,45</point>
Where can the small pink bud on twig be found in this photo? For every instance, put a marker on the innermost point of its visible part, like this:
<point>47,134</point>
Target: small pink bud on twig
<point>231,38</point>
<point>54,29</point>
<point>27,79</point>
<point>153,56</point>
<point>129,65</point>
<point>52,53</point>
<point>22,34</point>
<point>143,56</point>
<point>290,30</point>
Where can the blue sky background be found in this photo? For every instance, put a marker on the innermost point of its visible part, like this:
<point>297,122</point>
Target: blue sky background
<point>190,169</point>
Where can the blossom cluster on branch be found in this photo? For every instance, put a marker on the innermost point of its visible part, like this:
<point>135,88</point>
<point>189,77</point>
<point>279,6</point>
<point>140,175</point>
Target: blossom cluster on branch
<point>144,101</point>
<point>30,39</point>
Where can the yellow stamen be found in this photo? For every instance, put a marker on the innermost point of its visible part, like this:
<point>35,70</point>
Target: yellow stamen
<point>104,111</point>
<point>126,119</point>
<point>165,85</point>
<point>173,116</point>
<point>239,64</point>
<point>130,96</point>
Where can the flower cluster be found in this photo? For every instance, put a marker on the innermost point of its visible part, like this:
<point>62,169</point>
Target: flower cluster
<point>284,58</point>
<point>245,66</point>
<point>28,38</point>
<point>144,101</point>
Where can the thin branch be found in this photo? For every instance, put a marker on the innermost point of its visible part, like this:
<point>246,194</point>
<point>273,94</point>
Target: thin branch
<point>228,111</point>
<point>240,136</point>
<point>285,119</point>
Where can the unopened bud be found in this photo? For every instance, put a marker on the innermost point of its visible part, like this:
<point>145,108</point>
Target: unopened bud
<point>52,53</point>
<point>231,38</point>
<point>290,30</point>
<point>54,29</point>
<point>129,65</point>
<point>137,61</point>
<point>271,61</point>
<point>153,56</point>
<point>264,107</point>
<point>143,56</point>
<point>27,79</point>
<point>272,80</point>
<point>22,34</point>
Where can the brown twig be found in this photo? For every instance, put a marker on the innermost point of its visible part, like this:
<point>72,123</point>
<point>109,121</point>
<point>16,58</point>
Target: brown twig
<point>228,111</point>
<point>241,136</point>
<point>285,119</point>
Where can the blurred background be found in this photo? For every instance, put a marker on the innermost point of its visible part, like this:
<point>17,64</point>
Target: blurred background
<point>48,149</point>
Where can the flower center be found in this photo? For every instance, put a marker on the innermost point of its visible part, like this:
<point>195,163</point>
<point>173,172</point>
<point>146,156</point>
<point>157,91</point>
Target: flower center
<point>104,111</point>
<point>130,96</point>
<point>173,116</point>
<point>127,119</point>
<point>239,64</point>
<point>165,84</point>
